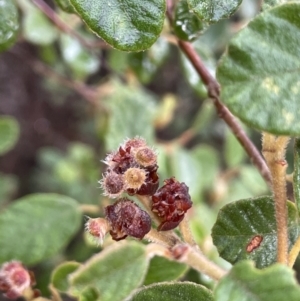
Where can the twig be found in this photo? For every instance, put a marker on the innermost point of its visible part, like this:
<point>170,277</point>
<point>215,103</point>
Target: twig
<point>213,89</point>
<point>274,153</point>
<point>85,91</point>
<point>186,232</point>
<point>60,24</point>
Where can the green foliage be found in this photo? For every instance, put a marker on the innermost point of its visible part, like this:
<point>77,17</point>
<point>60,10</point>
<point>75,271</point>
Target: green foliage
<point>184,291</point>
<point>171,270</point>
<point>9,24</point>
<point>246,283</point>
<point>213,10</point>
<point>9,133</point>
<point>239,223</point>
<point>113,273</point>
<point>186,25</point>
<point>124,103</point>
<point>260,84</point>
<point>44,224</point>
<point>65,5</point>
<point>127,26</point>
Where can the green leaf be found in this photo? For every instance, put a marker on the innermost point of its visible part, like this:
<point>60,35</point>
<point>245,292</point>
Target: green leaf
<point>9,23</point>
<point>114,273</point>
<point>146,64</point>
<point>37,28</point>
<point>267,4</point>
<point>162,269</point>
<point>65,5</point>
<point>245,283</point>
<point>132,113</point>
<point>186,25</point>
<point>37,227</point>
<point>296,174</point>
<point>9,133</point>
<point>59,277</point>
<point>132,25</point>
<point>234,152</point>
<point>8,187</point>
<point>259,74</point>
<point>81,61</point>
<point>185,291</point>
<point>251,222</point>
<point>213,10</point>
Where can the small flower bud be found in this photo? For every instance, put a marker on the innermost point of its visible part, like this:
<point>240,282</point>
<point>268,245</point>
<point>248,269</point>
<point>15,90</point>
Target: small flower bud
<point>145,156</point>
<point>134,178</point>
<point>134,143</point>
<point>170,203</point>
<point>98,228</point>
<point>127,218</point>
<point>14,279</point>
<point>112,184</point>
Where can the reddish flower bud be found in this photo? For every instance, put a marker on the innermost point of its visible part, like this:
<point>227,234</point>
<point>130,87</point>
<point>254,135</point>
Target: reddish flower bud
<point>136,142</point>
<point>134,178</point>
<point>98,228</point>
<point>14,279</point>
<point>127,218</point>
<point>112,184</point>
<point>170,203</point>
<point>145,156</point>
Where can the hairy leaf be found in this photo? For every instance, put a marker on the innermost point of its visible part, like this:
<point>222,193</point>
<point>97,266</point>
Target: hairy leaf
<point>162,269</point>
<point>9,23</point>
<point>37,227</point>
<point>65,5</point>
<point>126,25</point>
<point>168,291</point>
<point>246,229</point>
<point>259,74</point>
<point>114,273</point>
<point>186,25</point>
<point>245,283</point>
<point>213,10</point>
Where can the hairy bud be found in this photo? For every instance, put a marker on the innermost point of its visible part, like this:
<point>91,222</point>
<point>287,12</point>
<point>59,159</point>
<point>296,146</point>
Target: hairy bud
<point>98,228</point>
<point>170,203</point>
<point>14,279</point>
<point>127,219</point>
<point>145,156</point>
<point>112,184</point>
<point>134,178</point>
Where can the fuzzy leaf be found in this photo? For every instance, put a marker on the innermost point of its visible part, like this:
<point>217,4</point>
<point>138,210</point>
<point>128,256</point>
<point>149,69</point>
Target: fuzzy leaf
<point>259,74</point>
<point>246,229</point>
<point>125,103</point>
<point>9,133</point>
<point>168,291</point>
<point>114,273</point>
<point>162,269</point>
<point>186,25</point>
<point>245,283</point>
<point>125,25</point>
<point>9,23</point>
<point>59,277</point>
<point>213,10</point>
<point>37,227</point>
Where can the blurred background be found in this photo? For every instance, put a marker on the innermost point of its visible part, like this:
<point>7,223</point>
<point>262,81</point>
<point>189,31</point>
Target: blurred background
<point>71,99</point>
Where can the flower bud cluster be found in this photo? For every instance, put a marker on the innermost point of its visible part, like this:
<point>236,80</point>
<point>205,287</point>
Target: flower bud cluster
<point>131,169</point>
<point>14,279</point>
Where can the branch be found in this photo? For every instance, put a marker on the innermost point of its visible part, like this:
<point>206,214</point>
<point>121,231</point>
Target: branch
<point>213,89</point>
<point>60,24</point>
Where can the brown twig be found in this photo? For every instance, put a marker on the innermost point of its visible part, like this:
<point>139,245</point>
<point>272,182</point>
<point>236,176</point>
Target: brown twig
<point>213,89</point>
<point>60,24</point>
